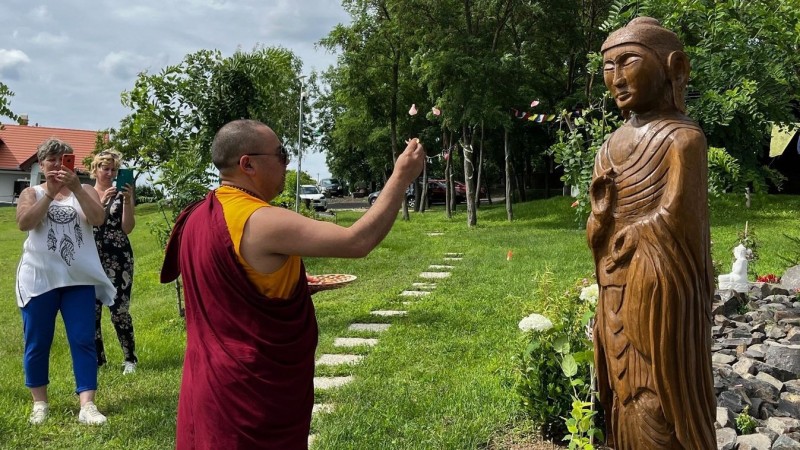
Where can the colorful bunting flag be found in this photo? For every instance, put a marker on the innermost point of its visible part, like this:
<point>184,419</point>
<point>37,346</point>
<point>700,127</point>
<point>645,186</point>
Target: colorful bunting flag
<point>550,117</point>
<point>534,103</point>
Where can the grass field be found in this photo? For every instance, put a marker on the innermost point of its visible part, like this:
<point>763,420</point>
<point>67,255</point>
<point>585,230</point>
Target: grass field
<point>440,378</point>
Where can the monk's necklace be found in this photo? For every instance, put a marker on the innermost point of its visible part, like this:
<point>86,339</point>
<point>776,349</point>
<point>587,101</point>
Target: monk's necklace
<point>246,191</point>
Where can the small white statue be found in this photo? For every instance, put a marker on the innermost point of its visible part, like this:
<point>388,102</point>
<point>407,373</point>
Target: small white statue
<point>737,279</point>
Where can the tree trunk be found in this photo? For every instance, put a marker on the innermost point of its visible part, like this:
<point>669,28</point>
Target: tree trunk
<point>468,139</point>
<point>509,209</point>
<point>480,170</point>
<point>448,170</point>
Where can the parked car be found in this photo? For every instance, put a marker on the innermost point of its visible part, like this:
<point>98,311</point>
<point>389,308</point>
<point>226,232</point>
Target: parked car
<point>313,198</point>
<point>436,194</point>
<point>331,187</point>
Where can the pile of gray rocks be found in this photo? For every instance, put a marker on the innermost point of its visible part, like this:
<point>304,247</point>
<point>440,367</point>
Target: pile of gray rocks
<point>756,362</point>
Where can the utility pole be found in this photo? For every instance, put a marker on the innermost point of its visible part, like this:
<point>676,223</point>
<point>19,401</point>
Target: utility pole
<point>299,147</point>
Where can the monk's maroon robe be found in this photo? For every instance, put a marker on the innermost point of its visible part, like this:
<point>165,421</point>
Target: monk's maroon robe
<point>249,366</point>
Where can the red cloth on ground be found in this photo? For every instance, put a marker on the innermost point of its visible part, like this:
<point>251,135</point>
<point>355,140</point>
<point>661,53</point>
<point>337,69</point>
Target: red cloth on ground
<point>248,374</point>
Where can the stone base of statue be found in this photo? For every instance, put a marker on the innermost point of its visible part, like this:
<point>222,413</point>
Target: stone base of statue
<point>726,283</point>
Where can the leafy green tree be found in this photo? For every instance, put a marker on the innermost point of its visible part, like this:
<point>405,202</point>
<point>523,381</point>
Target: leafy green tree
<point>745,59</point>
<point>5,109</point>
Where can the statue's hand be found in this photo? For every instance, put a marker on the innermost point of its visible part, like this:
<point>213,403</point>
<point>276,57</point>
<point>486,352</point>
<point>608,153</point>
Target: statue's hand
<point>623,245</point>
<point>603,193</point>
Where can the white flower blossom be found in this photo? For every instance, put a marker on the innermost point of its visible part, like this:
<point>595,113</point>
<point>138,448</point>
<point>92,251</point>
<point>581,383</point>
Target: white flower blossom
<point>590,293</point>
<point>535,322</point>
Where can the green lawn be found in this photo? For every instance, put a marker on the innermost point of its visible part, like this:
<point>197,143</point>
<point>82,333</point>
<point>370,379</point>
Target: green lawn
<point>439,378</point>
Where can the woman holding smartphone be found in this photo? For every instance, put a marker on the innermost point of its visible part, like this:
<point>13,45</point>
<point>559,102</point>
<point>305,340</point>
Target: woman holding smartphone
<point>60,271</point>
<point>116,253</point>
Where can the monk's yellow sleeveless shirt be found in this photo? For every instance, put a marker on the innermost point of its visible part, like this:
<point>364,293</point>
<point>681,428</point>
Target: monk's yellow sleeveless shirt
<point>237,207</point>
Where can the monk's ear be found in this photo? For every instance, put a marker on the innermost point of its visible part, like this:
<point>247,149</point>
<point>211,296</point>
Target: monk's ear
<point>245,164</point>
<point>678,67</point>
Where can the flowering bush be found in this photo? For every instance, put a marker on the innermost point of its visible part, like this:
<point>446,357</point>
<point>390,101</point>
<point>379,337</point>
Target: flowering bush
<point>769,278</point>
<point>535,322</point>
<point>553,372</point>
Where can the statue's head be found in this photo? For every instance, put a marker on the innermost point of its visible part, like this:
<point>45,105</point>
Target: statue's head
<point>740,252</point>
<point>645,68</point>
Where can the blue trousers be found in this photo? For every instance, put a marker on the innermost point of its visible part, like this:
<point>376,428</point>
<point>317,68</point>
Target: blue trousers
<point>76,304</point>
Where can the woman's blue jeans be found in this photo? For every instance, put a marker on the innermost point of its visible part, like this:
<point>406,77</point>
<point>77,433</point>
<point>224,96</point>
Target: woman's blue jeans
<point>76,304</point>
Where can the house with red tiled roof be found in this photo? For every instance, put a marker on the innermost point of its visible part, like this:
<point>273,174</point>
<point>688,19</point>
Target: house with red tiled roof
<point>18,162</point>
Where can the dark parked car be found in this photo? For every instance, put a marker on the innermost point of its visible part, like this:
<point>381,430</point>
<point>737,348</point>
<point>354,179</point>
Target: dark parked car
<point>331,187</point>
<point>436,194</point>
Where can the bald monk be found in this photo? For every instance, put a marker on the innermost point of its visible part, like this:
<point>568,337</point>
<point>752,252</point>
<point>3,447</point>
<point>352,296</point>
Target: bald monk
<point>649,234</point>
<point>251,330</point>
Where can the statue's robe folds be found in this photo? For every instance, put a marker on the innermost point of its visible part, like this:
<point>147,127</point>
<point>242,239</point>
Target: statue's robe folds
<point>652,333</point>
<point>249,366</point>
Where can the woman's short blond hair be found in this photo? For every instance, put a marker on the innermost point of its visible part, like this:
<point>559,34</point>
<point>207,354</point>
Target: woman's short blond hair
<point>105,157</point>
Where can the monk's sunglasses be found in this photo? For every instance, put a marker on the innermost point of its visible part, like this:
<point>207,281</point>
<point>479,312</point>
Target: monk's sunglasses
<point>283,155</point>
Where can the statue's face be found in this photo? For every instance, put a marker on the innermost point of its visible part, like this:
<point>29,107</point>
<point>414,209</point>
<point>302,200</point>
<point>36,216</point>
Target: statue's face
<point>635,77</point>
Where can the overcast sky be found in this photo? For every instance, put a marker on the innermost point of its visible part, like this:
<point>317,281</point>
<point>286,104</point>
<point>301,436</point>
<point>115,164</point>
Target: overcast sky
<point>67,61</point>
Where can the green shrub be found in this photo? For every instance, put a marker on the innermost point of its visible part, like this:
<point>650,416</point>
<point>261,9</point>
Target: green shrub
<point>554,370</point>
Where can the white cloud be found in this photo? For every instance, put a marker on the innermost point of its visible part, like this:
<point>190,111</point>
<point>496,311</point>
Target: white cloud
<point>40,13</point>
<point>126,65</point>
<point>11,61</point>
<point>45,38</point>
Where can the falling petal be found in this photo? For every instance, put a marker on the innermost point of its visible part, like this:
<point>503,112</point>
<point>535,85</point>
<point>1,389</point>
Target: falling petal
<point>436,111</point>
<point>534,103</point>
<point>413,110</point>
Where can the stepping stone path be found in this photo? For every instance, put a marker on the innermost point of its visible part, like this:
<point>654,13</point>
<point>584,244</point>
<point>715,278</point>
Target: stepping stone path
<point>421,289</point>
<point>322,408</point>
<point>434,275</point>
<point>354,342</point>
<point>435,233</point>
<point>378,327</point>
<point>337,360</point>
<point>415,293</point>
<point>331,382</point>
<point>389,313</point>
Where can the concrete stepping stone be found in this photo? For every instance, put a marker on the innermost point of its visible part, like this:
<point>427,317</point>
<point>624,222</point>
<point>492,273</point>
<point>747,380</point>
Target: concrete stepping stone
<point>454,255</point>
<point>434,275</point>
<point>337,360</point>
<point>452,258</point>
<point>379,327</point>
<point>440,266</point>
<point>331,382</point>
<point>425,286</point>
<point>322,408</point>
<point>415,293</point>
<point>354,342</point>
<point>435,233</point>
<point>408,303</point>
<point>389,313</point>
<point>311,438</point>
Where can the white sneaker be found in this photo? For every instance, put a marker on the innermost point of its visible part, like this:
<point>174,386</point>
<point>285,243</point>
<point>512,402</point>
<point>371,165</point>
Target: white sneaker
<point>89,415</point>
<point>39,413</point>
<point>128,367</point>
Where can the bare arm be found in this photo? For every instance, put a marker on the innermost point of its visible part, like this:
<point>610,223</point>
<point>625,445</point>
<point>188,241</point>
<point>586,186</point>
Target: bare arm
<point>273,233</point>
<point>128,219</point>
<point>31,212</point>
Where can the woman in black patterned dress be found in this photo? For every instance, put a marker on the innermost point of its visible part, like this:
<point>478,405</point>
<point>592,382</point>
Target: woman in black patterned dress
<point>115,254</point>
